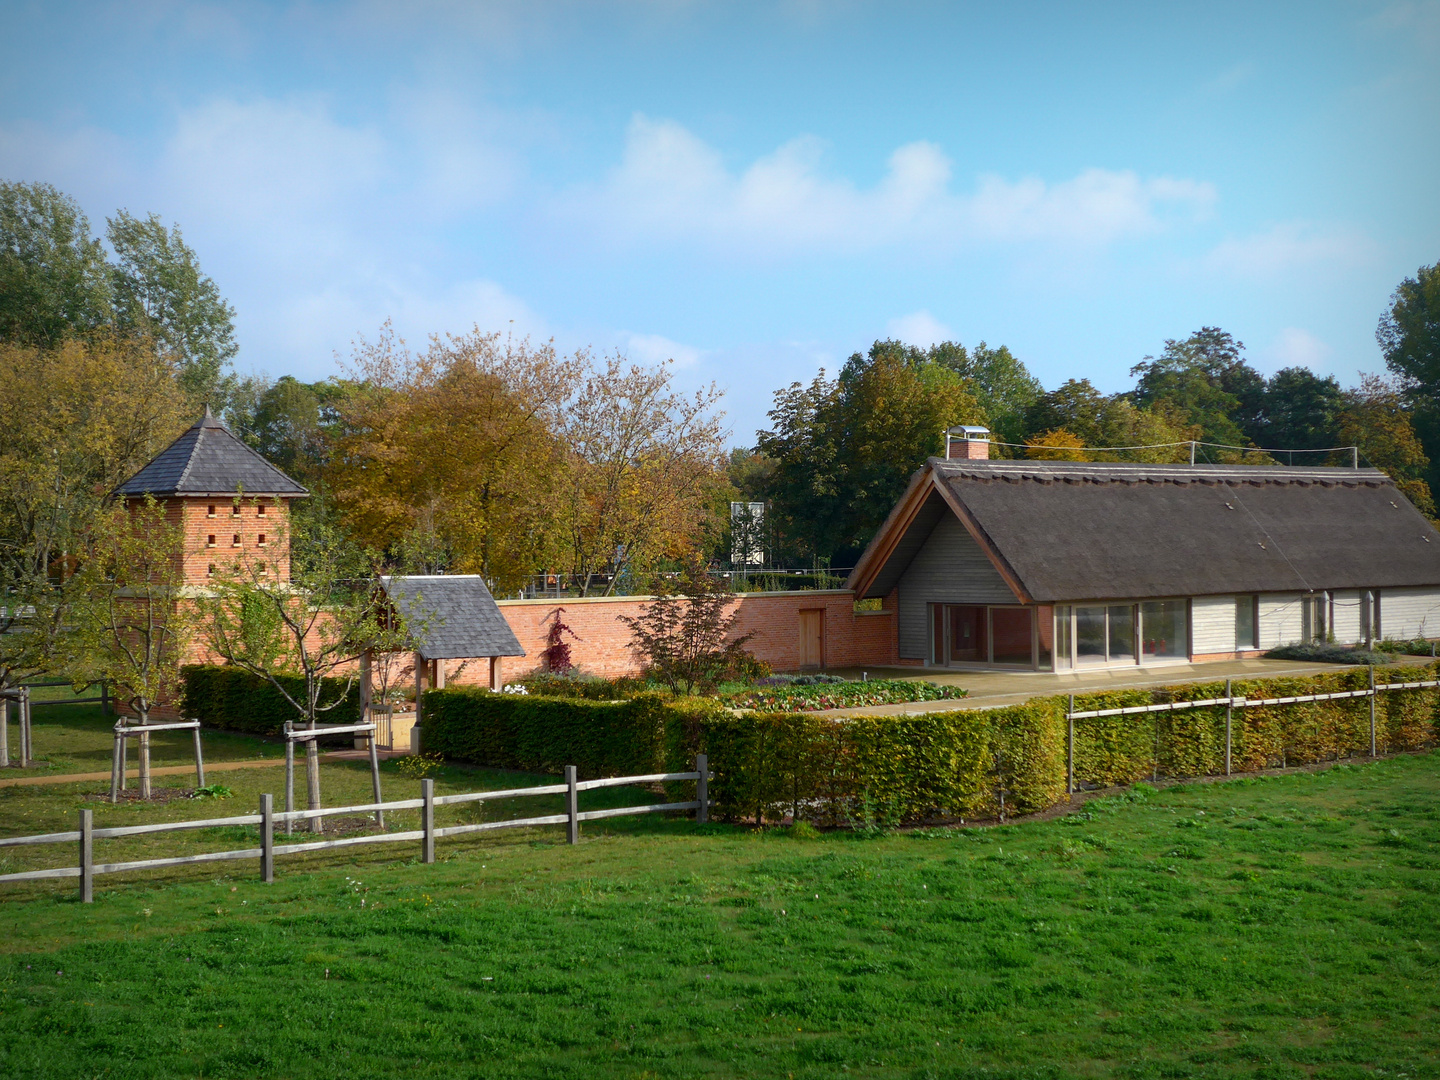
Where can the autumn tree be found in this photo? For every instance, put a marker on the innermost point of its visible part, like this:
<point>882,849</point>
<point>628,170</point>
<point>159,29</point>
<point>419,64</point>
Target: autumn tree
<point>1056,445</point>
<point>1374,418</point>
<point>1409,337</point>
<point>457,448</point>
<point>644,463</point>
<point>79,419</point>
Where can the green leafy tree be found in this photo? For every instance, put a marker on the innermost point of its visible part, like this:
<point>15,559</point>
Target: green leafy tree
<point>54,281</point>
<point>844,449</point>
<point>1374,417</point>
<point>1409,337</point>
<point>1002,385</point>
<point>161,292</point>
<point>1302,412</point>
<point>1200,376</point>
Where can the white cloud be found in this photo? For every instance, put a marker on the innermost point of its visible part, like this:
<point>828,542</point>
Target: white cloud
<point>1294,347</point>
<point>671,185</point>
<point>918,328</point>
<point>654,349</point>
<point>1287,245</point>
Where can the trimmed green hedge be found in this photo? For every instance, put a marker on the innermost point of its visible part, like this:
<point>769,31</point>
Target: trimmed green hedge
<point>954,764</point>
<point>646,734</point>
<point>228,697</point>
<point>964,763</point>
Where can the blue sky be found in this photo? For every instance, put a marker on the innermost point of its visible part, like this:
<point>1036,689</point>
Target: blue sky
<point>757,190</point>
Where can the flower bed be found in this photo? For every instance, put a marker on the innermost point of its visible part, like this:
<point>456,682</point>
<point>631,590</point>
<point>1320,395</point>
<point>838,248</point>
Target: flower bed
<point>796,697</point>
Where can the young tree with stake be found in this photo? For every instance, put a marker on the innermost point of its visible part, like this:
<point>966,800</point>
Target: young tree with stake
<point>300,633</point>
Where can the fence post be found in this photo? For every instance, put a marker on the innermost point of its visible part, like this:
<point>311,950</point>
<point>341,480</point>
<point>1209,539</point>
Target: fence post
<point>27,748</point>
<point>117,765</point>
<point>1372,710</point>
<point>1229,710</point>
<point>572,806</point>
<point>289,778</point>
<point>427,820</point>
<point>267,838</point>
<point>702,789</point>
<point>4,733</point>
<point>87,857</point>
<point>375,773</point>
<point>199,761</point>
<point>1070,750</point>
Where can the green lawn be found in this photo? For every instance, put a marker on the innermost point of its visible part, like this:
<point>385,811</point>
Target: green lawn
<point>1273,927</point>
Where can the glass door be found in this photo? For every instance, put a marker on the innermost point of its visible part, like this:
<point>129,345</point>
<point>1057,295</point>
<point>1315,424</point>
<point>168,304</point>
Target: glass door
<point>968,639</point>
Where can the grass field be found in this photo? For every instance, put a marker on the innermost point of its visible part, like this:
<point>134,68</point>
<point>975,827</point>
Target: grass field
<point>1274,927</point>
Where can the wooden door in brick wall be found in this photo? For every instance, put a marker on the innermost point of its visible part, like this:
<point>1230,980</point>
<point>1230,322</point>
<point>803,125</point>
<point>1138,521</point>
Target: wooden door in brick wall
<point>812,638</point>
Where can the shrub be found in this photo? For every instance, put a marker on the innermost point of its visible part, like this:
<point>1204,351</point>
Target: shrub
<point>1322,652</point>
<point>806,693</point>
<point>228,697</point>
<point>1413,647</point>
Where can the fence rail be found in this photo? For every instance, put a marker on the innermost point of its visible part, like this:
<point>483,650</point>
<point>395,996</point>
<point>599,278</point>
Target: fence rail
<point>427,834</point>
<point>1230,702</point>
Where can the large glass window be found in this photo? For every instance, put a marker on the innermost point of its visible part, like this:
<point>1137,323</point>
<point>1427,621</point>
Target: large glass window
<point>1011,635</point>
<point>1090,635</point>
<point>1062,638</point>
<point>1247,622</point>
<point>967,634</point>
<point>1165,629</point>
<point>1122,632</point>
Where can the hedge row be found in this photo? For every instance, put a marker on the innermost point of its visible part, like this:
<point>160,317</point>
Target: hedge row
<point>227,697</point>
<point>646,734</point>
<point>980,762</point>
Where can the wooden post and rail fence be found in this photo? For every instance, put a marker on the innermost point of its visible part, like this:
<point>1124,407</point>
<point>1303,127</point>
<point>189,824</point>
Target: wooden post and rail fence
<point>427,834</point>
<point>1231,703</point>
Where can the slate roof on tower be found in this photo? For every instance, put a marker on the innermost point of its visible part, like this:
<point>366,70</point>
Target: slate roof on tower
<point>208,460</point>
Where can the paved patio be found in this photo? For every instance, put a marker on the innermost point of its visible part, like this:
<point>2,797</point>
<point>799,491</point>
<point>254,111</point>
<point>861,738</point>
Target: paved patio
<point>989,689</point>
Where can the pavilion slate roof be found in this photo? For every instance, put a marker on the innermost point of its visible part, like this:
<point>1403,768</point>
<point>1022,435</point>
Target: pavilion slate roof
<point>208,460</point>
<point>452,615</point>
<point>1066,531</point>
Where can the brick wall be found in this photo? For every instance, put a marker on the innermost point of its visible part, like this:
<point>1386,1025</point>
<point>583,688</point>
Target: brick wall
<point>601,645</point>
<point>199,525</point>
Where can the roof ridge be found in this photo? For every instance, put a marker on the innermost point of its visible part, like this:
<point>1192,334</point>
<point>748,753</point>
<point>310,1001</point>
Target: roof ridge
<point>194,452</point>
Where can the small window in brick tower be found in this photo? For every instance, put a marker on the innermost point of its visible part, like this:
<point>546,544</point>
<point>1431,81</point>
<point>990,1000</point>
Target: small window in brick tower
<point>260,510</point>
<point>210,512</point>
<point>210,540</point>
<point>235,510</point>
<point>211,571</point>
<point>236,541</point>
<point>261,540</point>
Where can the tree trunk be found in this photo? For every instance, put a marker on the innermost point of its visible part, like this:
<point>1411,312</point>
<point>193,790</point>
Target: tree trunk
<point>144,754</point>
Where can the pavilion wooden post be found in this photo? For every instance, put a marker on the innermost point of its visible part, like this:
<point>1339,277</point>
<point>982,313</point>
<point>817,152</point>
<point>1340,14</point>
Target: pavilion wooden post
<point>416,742</point>
<point>439,680</point>
<point>497,676</point>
